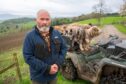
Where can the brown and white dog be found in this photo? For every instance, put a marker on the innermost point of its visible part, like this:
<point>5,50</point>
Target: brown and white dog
<point>82,35</point>
<point>90,33</point>
<point>60,28</point>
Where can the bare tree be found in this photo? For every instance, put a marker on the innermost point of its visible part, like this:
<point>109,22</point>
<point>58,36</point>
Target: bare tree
<point>123,9</point>
<point>99,10</point>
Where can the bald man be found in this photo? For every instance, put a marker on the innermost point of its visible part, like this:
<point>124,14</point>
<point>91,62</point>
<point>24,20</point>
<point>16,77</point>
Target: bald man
<point>44,50</point>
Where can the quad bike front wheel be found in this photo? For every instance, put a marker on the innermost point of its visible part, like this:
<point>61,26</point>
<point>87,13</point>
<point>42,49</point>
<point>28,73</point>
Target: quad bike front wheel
<point>68,70</point>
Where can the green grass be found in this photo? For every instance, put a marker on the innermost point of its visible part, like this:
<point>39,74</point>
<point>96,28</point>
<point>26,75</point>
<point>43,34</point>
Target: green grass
<point>11,73</point>
<point>11,31</point>
<point>94,21</point>
<point>62,80</point>
<point>9,77</point>
<point>121,28</point>
<point>28,25</point>
<point>111,20</point>
<point>104,20</point>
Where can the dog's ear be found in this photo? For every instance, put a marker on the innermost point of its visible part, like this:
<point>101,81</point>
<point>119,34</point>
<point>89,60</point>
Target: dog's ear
<point>95,28</point>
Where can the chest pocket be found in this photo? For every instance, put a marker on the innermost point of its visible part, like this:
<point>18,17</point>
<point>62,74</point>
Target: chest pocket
<point>57,44</point>
<point>41,52</point>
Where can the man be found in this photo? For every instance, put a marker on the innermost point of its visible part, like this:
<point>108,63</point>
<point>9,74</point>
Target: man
<point>44,50</point>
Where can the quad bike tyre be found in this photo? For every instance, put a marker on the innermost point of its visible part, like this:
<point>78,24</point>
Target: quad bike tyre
<point>68,70</point>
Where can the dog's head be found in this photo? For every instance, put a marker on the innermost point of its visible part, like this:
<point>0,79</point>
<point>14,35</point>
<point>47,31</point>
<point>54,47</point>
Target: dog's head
<point>94,31</point>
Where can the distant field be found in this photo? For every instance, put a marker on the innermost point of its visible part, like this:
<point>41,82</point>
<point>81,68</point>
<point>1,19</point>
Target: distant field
<point>10,76</point>
<point>28,25</point>
<point>108,20</point>
<point>104,20</point>
<point>16,25</point>
<point>12,29</point>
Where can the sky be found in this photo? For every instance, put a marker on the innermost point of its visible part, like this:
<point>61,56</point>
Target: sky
<point>57,8</point>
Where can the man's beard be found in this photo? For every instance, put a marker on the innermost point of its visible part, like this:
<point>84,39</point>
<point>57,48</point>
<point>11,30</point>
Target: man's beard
<point>44,29</point>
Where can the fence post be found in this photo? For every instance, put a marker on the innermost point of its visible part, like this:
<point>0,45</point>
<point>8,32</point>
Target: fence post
<point>17,66</point>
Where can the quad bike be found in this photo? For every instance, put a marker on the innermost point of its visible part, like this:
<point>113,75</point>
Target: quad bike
<point>104,64</point>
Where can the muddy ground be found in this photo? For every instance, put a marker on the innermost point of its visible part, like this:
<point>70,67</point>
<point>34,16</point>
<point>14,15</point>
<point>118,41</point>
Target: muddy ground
<point>11,41</point>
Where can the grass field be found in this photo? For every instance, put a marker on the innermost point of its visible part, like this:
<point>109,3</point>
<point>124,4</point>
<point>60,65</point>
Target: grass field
<point>28,25</point>
<point>116,20</point>
<point>121,28</point>
<point>9,77</point>
<point>104,20</point>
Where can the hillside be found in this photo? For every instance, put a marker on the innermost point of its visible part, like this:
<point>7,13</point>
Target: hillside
<point>17,20</point>
<point>15,25</point>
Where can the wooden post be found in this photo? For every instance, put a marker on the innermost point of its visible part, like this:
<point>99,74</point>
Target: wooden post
<point>17,66</point>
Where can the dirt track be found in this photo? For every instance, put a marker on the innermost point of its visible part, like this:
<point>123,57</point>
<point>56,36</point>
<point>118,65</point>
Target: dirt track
<point>11,41</point>
<point>109,30</point>
<point>16,39</point>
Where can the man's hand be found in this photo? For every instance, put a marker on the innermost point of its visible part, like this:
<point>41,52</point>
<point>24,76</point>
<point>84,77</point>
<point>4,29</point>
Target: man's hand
<point>54,69</point>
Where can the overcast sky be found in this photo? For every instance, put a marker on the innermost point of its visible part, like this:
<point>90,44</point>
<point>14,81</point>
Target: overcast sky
<point>57,8</point>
